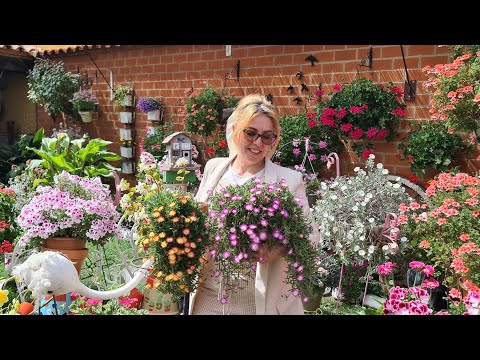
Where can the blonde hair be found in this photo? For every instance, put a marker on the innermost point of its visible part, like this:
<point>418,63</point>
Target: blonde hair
<point>247,109</point>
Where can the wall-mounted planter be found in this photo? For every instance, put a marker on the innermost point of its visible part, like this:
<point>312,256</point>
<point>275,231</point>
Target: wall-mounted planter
<point>126,152</point>
<point>126,134</point>
<point>127,101</point>
<point>86,116</point>
<point>127,167</point>
<point>126,117</point>
<point>154,115</point>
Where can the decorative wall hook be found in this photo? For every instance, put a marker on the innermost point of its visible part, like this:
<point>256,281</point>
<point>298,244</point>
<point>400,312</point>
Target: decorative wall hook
<point>304,87</point>
<point>290,89</point>
<point>269,97</point>
<point>312,59</point>
<point>236,68</point>
<point>367,60</point>
<point>86,81</point>
<point>298,100</point>
<point>299,75</point>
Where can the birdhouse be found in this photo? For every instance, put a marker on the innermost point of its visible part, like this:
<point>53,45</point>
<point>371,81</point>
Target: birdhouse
<point>178,145</point>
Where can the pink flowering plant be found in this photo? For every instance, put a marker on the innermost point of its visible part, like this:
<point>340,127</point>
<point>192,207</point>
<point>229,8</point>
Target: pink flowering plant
<point>446,226</point>
<point>84,100</point>
<point>243,219</point>
<point>202,109</point>
<point>414,300</point>
<point>292,148</point>
<point>362,110</point>
<point>81,305</point>
<point>72,207</point>
<point>455,89</point>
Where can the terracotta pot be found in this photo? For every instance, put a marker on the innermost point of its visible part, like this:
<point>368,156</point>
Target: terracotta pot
<point>72,248</point>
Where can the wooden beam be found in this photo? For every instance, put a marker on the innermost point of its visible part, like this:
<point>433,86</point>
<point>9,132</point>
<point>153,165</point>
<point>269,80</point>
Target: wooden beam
<point>15,64</point>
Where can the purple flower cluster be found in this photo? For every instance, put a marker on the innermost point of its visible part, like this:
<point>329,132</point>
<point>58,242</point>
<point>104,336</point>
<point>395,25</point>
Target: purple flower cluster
<point>73,207</point>
<point>243,219</point>
<point>146,104</point>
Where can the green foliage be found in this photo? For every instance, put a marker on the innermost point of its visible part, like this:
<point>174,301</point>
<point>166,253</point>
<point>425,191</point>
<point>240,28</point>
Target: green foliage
<point>80,306</point>
<point>291,148</point>
<point>17,154</point>
<point>58,154</point>
<point>362,110</point>
<point>153,142</point>
<point>51,87</point>
<point>120,92</point>
<point>430,145</point>
<point>203,108</point>
<point>456,89</point>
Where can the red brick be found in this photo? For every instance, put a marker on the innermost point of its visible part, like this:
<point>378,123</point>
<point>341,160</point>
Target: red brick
<point>412,62</point>
<point>292,49</point>
<point>345,55</point>
<point>334,47</point>
<point>433,60</point>
<point>166,59</point>
<point>185,67</point>
<point>274,50</point>
<point>311,48</point>
<point>179,58</point>
<point>416,50</point>
<point>193,57</point>
<point>332,68</point>
<point>131,62</point>
<point>253,52</point>
<point>387,52</point>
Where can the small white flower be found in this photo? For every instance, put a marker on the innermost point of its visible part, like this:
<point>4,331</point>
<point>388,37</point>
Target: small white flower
<point>356,248</point>
<point>362,252</point>
<point>371,156</point>
<point>355,208</point>
<point>371,220</point>
<point>356,169</point>
<point>379,166</point>
<point>385,171</point>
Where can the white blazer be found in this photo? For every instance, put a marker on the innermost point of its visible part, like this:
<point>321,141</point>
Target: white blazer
<point>269,281</point>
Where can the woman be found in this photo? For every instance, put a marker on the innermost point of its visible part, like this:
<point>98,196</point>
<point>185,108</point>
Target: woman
<point>252,133</point>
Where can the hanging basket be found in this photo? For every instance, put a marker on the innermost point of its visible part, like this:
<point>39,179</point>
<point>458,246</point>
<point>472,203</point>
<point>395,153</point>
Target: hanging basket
<point>86,116</point>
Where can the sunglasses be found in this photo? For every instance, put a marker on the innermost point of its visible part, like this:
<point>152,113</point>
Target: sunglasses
<point>268,137</point>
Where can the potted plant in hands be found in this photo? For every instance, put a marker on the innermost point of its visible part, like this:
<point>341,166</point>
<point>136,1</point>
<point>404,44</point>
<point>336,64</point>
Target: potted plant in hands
<point>84,101</point>
<point>151,107</point>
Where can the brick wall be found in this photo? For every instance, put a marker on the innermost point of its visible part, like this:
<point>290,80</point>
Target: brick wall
<point>167,71</point>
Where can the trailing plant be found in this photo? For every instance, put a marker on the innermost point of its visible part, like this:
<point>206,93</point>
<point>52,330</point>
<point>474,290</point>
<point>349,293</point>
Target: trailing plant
<point>120,92</point>
<point>51,87</point>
